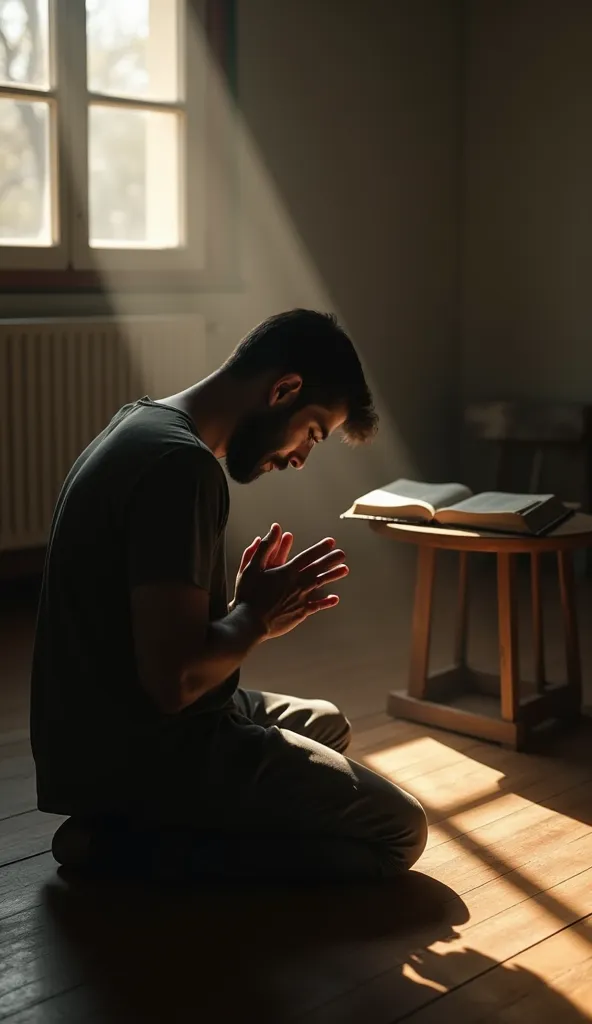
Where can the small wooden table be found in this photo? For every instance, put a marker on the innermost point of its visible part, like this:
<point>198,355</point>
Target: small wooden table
<point>499,708</point>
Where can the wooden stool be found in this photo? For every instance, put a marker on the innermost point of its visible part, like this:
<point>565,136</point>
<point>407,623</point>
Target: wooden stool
<point>461,699</point>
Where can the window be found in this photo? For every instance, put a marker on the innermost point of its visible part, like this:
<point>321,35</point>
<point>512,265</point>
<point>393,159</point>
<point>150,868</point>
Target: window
<point>103,131</point>
<point>27,126</point>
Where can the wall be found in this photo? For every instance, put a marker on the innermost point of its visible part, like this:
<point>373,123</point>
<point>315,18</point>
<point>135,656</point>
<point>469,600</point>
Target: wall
<point>528,214</point>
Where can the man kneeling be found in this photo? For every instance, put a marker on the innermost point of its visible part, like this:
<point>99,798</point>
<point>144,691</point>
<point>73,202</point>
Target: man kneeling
<point>137,717</point>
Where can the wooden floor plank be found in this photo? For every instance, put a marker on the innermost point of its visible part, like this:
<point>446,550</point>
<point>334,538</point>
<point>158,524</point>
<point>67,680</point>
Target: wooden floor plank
<point>536,879</point>
<point>453,789</point>
<point>390,734</point>
<point>22,883</point>
<point>184,943</point>
<point>77,1006</point>
<point>570,1002</point>
<point>306,975</point>
<point>26,835</point>
<point>418,757</point>
<point>542,983</point>
<point>396,993</point>
<point>511,837</point>
<point>425,977</point>
<point>509,842</point>
<point>18,795</point>
<point>503,803</point>
<point>490,901</point>
<point>521,780</point>
<point>44,955</point>
<point>487,902</point>
<point>573,803</point>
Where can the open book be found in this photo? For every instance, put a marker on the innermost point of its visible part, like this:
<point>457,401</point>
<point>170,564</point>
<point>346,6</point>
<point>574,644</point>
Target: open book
<point>409,501</point>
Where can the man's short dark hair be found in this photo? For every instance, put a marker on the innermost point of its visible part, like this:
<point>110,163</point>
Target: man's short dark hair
<point>315,346</point>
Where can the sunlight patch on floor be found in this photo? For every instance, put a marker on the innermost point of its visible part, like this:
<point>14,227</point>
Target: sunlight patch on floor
<point>425,752</point>
<point>410,972</point>
<point>499,805</point>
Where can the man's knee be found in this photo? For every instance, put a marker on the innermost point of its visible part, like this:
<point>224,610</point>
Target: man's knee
<point>415,834</point>
<point>330,726</point>
<point>402,829</point>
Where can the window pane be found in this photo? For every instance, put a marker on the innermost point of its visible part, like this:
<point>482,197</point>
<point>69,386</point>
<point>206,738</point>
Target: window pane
<point>25,217</point>
<point>132,48</point>
<point>24,43</point>
<point>133,178</point>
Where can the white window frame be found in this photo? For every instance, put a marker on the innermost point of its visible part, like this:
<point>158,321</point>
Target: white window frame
<point>69,101</point>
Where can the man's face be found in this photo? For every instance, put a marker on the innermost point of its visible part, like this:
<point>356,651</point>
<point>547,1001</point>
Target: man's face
<point>277,438</point>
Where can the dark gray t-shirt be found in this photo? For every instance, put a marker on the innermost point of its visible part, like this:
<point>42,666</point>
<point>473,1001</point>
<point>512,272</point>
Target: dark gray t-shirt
<point>146,502</point>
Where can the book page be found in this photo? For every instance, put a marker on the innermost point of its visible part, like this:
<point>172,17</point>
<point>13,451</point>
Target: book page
<point>434,495</point>
<point>409,499</point>
<point>443,495</point>
<point>390,501</point>
<point>499,502</point>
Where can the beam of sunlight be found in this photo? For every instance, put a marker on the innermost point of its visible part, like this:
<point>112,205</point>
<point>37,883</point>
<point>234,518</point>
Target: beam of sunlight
<point>276,268</point>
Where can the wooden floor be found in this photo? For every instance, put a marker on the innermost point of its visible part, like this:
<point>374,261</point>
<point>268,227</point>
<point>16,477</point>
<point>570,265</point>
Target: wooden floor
<point>495,924</point>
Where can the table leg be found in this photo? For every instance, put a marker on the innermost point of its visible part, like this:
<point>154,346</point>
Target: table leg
<point>570,626</point>
<point>508,636</point>
<point>422,622</point>
<point>537,622</point>
<point>460,646</point>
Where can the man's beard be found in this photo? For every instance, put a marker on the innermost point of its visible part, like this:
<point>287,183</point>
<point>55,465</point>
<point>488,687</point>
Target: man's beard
<point>256,442</point>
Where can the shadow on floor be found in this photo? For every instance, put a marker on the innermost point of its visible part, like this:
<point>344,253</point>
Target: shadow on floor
<point>172,954</point>
<point>268,955</point>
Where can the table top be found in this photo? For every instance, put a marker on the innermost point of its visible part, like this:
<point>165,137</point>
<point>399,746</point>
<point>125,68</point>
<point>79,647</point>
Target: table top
<point>573,533</point>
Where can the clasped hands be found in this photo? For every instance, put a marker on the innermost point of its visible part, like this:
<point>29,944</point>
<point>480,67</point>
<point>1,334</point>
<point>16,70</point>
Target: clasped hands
<point>281,591</point>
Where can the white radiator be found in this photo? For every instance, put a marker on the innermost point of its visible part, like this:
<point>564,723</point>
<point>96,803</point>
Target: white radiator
<point>61,381</point>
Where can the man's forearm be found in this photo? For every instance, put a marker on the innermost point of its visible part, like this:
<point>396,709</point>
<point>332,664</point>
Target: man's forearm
<point>227,643</point>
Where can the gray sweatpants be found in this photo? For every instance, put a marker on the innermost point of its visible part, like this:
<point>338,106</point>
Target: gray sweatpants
<point>301,807</point>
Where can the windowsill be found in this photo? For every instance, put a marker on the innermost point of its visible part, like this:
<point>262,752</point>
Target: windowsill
<point>97,282</point>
